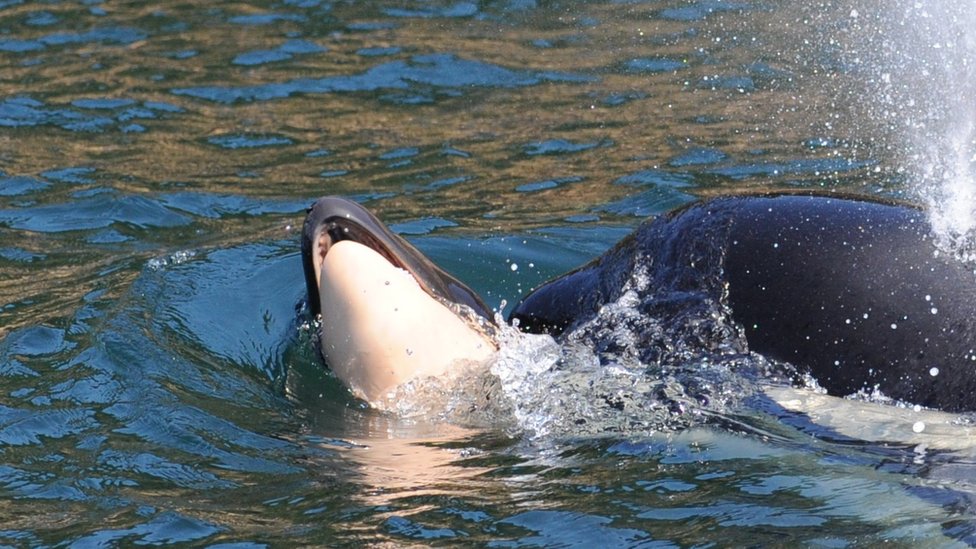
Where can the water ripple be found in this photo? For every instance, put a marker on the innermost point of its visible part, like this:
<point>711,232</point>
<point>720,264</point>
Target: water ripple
<point>20,427</point>
<point>648,203</point>
<point>26,484</point>
<point>568,528</point>
<point>215,206</point>
<point>435,70</point>
<point>698,11</point>
<point>652,65</point>
<point>461,9</point>
<point>112,35</point>
<point>155,466</point>
<point>248,141</point>
<point>561,146</point>
<point>283,52</point>
<point>155,388</point>
<point>422,226</point>
<point>698,156</point>
<point>20,255</point>
<point>656,177</point>
<point>266,18</point>
<point>19,112</point>
<point>98,212</point>
<point>165,528</point>
<point>74,175</point>
<point>546,184</point>
<point>813,166</point>
<point>14,186</point>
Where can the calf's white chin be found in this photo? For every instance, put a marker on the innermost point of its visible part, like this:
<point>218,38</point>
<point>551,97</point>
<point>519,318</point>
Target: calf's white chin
<point>380,329</point>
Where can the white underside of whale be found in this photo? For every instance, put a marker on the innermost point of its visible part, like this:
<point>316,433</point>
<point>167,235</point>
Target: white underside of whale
<point>879,422</point>
<point>380,329</point>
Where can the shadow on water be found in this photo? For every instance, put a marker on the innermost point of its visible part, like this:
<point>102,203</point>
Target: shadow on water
<point>156,382</point>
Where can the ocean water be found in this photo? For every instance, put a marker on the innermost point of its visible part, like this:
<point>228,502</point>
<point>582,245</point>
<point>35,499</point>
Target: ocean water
<point>157,383</point>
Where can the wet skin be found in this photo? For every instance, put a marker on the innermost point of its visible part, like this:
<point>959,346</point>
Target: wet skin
<point>854,292</point>
<point>389,315</point>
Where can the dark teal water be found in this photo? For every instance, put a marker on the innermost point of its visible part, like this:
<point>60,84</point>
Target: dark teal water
<point>156,385</point>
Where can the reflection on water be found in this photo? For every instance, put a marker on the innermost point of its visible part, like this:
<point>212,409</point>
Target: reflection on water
<point>155,386</point>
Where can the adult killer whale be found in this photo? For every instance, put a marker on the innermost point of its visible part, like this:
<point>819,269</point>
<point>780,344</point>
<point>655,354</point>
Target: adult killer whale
<point>388,314</point>
<point>853,291</point>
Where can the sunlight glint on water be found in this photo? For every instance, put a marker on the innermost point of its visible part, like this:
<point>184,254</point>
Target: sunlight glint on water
<point>156,162</point>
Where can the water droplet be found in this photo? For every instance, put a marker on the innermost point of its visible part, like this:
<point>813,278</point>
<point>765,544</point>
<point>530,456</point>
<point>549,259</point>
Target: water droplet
<point>894,326</point>
<point>933,371</point>
<point>934,310</point>
<point>409,352</point>
<point>514,266</point>
<point>919,426</point>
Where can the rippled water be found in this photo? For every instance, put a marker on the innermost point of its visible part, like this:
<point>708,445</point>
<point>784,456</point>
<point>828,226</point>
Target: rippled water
<point>156,386</point>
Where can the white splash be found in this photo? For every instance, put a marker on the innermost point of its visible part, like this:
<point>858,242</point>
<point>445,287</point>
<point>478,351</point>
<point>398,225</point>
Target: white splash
<point>176,258</point>
<point>928,91</point>
<point>524,367</point>
<point>948,185</point>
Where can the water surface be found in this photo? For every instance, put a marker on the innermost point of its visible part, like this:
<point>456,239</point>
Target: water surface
<point>156,383</point>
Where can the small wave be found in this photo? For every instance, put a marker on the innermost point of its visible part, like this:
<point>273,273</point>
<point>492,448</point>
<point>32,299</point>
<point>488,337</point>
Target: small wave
<point>176,258</point>
<point>425,71</point>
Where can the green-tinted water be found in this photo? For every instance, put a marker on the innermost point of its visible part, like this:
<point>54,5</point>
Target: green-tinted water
<point>156,159</point>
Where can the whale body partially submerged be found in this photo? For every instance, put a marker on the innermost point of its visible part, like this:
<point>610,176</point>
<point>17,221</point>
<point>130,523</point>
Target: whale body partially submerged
<point>853,292</point>
<point>388,314</point>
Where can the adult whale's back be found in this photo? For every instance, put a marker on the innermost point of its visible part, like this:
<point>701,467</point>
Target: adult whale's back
<point>854,291</point>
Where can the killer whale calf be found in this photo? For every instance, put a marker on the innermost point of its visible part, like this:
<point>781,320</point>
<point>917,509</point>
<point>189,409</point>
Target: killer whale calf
<point>388,314</point>
<point>853,291</point>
